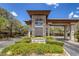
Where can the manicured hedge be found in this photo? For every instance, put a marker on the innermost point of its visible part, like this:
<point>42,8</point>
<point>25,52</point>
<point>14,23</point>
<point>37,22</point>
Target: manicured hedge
<point>29,48</point>
<point>55,42</point>
<point>49,38</point>
<point>25,40</point>
<point>77,35</point>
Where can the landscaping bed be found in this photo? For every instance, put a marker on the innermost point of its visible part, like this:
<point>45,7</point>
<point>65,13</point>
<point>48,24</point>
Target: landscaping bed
<point>26,48</point>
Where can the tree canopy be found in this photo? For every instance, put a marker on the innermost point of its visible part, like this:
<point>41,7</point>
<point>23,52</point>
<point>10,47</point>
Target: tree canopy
<point>3,23</point>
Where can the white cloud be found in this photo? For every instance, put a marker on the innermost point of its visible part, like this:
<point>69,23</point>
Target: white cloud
<point>75,15</point>
<point>55,4</point>
<point>50,3</point>
<point>78,8</point>
<point>14,13</point>
<point>71,15</point>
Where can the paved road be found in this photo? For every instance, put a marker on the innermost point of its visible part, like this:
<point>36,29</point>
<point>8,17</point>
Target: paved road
<point>72,48</point>
<point>6,43</point>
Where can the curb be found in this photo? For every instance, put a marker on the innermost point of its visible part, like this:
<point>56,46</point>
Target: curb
<point>66,52</point>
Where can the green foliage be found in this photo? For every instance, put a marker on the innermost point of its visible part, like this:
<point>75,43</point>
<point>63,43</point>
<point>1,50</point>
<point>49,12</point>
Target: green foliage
<point>24,47</point>
<point>16,49</point>
<point>29,48</point>
<point>3,22</point>
<point>25,40</point>
<point>77,35</point>
<point>10,25</point>
<point>56,48</point>
<point>49,38</point>
<point>59,31</point>
<point>3,25</point>
<point>55,42</point>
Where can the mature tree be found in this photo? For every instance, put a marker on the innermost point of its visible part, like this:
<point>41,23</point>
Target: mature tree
<point>14,27</point>
<point>3,23</point>
<point>13,24</point>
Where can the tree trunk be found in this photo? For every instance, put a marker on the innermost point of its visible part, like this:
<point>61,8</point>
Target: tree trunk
<point>11,30</point>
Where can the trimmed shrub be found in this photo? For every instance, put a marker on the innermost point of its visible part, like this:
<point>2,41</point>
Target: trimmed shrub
<point>16,49</point>
<point>56,49</point>
<point>77,35</point>
<point>55,42</point>
<point>49,38</point>
<point>25,40</point>
<point>29,48</point>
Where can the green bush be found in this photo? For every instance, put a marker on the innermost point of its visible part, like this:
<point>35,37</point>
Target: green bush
<point>56,48</point>
<point>77,35</point>
<point>55,42</point>
<point>25,40</point>
<point>29,48</point>
<point>16,49</point>
<point>49,38</point>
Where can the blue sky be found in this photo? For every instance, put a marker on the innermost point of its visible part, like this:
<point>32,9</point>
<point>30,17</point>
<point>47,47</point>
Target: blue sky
<point>58,10</point>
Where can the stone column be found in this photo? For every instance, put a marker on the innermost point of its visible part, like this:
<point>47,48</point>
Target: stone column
<point>29,33</point>
<point>65,32</point>
<point>33,25</point>
<point>44,25</point>
<point>48,30</point>
<point>72,32</point>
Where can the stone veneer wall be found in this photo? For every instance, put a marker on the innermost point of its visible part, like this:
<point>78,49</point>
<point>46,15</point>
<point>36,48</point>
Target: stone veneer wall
<point>35,17</point>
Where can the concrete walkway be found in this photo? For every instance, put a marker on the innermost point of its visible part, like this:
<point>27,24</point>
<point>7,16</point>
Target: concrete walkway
<point>6,43</point>
<point>72,48</point>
